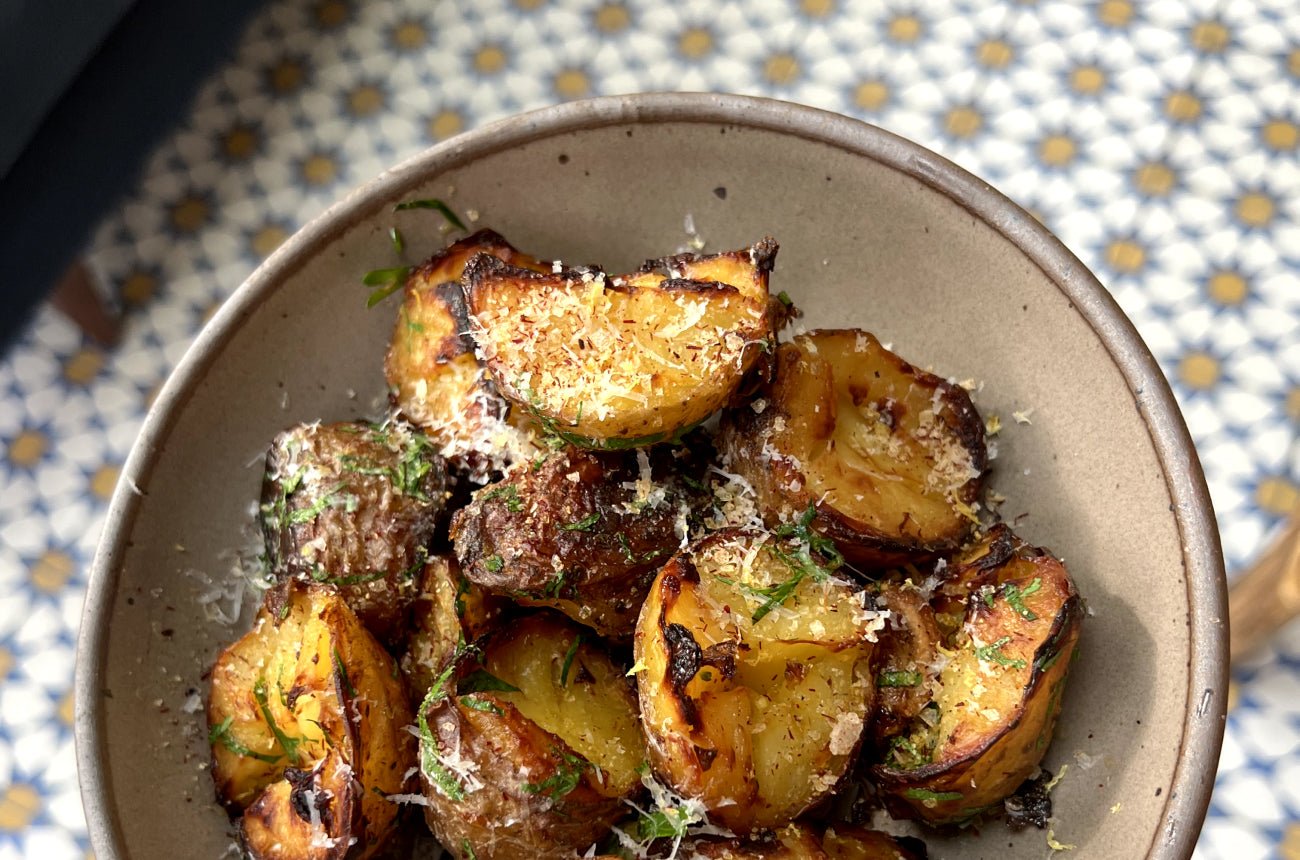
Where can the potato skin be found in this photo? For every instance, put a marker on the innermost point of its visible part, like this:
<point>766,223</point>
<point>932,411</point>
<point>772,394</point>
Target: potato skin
<point>1000,693</point>
<point>518,789</point>
<point>758,720</point>
<point>449,611</point>
<point>904,660</point>
<point>624,360</point>
<point>845,842</point>
<point>307,716</point>
<point>353,505</point>
<point>581,531</point>
<point>841,411</point>
<point>792,842</point>
<point>434,378</point>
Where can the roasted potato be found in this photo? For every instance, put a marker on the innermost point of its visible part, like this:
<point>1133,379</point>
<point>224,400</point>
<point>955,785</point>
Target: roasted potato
<point>581,531</point>
<point>353,505</point>
<point>754,675</point>
<point>309,732</point>
<point>906,660</point>
<point>792,842</point>
<point>449,611</point>
<point>533,752</point>
<point>998,696</point>
<point>892,456</point>
<point>622,361</point>
<point>434,378</point>
<point>843,842</point>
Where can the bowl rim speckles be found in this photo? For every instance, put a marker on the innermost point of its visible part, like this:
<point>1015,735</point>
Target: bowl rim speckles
<point>1202,560</point>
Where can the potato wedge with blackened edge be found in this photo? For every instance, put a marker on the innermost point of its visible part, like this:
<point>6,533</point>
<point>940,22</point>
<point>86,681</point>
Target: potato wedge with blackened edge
<point>309,732</point>
<point>581,531</point>
<point>999,694</point>
<point>532,752</point>
<point>434,378</point>
<point>449,611</point>
<point>353,505</point>
<point>621,361</point>
<point>844,842</point>
<point>753,667</point>
<point>892,456</point>
<point>792,842</point>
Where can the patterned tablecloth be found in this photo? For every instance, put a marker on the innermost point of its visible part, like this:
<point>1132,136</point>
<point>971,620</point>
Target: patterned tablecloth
<point>1159,140</point>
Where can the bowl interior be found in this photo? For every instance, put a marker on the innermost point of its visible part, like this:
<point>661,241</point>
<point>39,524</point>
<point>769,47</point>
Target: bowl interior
<point>865,241</point>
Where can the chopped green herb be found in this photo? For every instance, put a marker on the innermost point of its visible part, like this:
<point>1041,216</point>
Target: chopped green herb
<point>395,236</point>
<point>906,754</point>
<point>384,277</point>
<point>627,547</point>
<point>668,823</point>
<point>494,563</point>
<point>319,574</point>
<point>288,744</point>
<point>1016,597</point>
<point>508,492</point>
<point>467,850</point>
<point>784,298</point>
<point>483,681</point>
<point>462,590</point>
<point>568,773</point>
<point>220,733</point>
<point>926,796</point>
<point>568,660</point>
<point>477,704</point>
<point>903,678</point>
<point>812,555</point>
<point>343,674</point>
<point>433,204</point>
<point>430,764</point>
<point>692,483</point>
<point>583,524</point>
<point>310,513</point>
<point>555,586</point>
<point>986,594</point>
<point>993,654</point>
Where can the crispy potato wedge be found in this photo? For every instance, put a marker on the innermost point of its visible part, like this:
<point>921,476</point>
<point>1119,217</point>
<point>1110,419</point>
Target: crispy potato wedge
<point>892,456</point>
<point>844,842</point>
<point>449,611</point>
<point>905,662</point>
<point>434,378</point>
<point>999,694</point>
<point>792,842</point>
<point>353,505</point>
<point>309,732</point>
<point>754,676</point>
<point>532,753</point>
<point>619,362</point>
<point>583,532</point>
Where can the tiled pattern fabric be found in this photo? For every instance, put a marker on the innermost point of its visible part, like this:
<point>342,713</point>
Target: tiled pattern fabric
<point>1158,139</point>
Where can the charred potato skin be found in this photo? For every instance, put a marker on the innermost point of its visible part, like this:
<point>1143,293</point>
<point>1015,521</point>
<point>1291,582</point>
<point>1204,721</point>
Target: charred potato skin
<point>359,738</point>
<point>531,794</point>
<point>801,379</point>
<point>353,505</point>
<point>977,769</point>
<point>434,378</point>
<point>907,650</point>
<point>498,295</point>
<point>697,711</point>
<point>581,546</point>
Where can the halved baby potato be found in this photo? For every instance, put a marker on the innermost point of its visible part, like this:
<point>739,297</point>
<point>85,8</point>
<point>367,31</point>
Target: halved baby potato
<point>434,378</point>
<point>532,752</point>
<point>845,842</point>
<point>622,361</point>
<point>892,456</point>
<point>448,612</point>
<point>580,531</point>
<point>792,842</point>
<point>998,696</point>
<point>309,732</point>
<point>754,675</point>
<point>354,505</point>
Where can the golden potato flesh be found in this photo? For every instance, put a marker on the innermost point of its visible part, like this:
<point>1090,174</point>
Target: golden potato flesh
<point>309,732</point>
<point>754,675</point>
<point>998,695</point>
<point>792,842</point>
<point>891,456</point>
<point>449,611</point>
<point>620,361</point>
<point>843,842</point>
<point>580,531</point>
<point>435,380</point>
<point>535,751</point>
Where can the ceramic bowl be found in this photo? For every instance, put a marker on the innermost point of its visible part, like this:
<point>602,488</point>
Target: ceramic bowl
<point>875,232</point>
